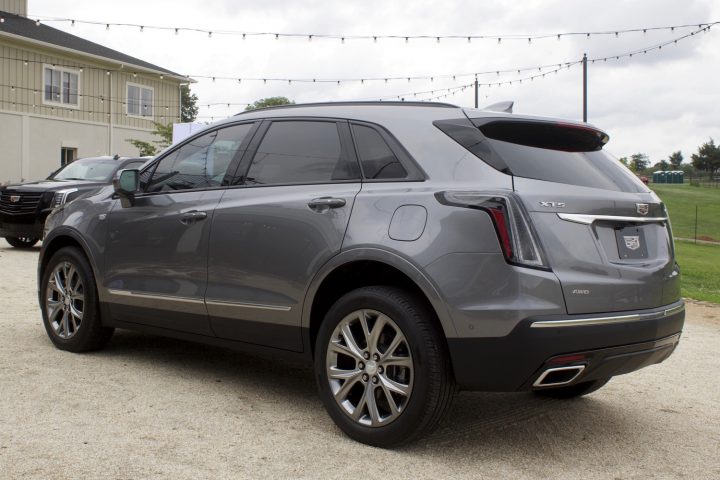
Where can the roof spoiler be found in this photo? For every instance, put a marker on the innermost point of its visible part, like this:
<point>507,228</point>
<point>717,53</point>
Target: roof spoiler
<point>504,107</point>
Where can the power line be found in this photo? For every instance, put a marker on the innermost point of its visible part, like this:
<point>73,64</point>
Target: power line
<point>244,34</point>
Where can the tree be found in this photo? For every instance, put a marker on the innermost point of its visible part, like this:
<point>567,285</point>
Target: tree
<point>675,159</point>
<point>188,105</point>
<point>708,157</point>
<point>662,166</point>
<point>269,102</point>
<point>638,162</point>
<point>147,149</point>
<point>165,133</point>
<point>624,161</point>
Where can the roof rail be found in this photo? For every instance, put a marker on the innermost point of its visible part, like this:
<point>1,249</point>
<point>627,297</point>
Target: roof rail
<point>350,104</point>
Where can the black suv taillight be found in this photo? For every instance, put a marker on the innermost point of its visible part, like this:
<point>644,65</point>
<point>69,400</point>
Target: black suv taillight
<point>518,239</point>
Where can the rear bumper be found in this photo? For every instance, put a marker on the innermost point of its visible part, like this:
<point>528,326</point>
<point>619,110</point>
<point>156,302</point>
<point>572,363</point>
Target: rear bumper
<point>604,345</point>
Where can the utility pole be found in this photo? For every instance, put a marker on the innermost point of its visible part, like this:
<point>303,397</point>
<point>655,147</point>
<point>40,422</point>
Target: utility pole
<point>476,92</point>
<point>584,65</point>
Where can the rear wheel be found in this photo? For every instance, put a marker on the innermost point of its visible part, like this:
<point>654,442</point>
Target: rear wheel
<point>573,391</point>
<point>69,303</point>
<point>382,366</point>
<point>22,242</point>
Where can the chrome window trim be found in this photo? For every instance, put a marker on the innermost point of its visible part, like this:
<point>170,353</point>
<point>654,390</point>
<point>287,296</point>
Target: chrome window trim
<point>590,219</point>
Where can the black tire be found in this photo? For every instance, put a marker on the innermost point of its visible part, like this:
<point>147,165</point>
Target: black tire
<point>573,391</point>
<point>22,242</point>
<point>431,383</point>
<point>64,329</point>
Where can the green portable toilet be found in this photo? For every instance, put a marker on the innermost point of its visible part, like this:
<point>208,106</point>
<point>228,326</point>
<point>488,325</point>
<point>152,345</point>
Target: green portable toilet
<point>661,177</point>
<point>655,177</point>
<point>680,177</point>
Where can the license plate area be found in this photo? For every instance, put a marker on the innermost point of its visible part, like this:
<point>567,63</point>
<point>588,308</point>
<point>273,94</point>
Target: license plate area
<point>631,243</point>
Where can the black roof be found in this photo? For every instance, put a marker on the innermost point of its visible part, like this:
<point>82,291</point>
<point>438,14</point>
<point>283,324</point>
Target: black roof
<point>27,28</point>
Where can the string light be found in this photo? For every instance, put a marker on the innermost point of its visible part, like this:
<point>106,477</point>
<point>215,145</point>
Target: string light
<point>375,37</point>
<point>431,78</point>
<point>454,77</point>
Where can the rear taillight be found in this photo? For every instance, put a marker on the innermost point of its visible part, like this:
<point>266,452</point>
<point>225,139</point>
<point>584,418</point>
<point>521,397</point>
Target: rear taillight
<point>519,241</point>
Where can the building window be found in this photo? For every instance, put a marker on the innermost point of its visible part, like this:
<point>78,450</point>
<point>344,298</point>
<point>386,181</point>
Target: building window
<point>61,86</point>
<point>139,100</point>
<point>67,155</point>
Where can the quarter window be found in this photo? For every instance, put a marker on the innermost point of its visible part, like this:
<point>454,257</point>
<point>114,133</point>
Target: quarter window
<point>139,100</point>
<point>300,152</point>
<point>61,86</point>
<point>376,158</point>
<point>200,163</point>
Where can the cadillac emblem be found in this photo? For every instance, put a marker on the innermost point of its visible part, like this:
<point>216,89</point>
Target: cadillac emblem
<point>642,208</point>
<point>14,198</point>
<point>632,241</point>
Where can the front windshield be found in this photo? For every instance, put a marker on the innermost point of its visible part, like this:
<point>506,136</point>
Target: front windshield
<point>100,170</point>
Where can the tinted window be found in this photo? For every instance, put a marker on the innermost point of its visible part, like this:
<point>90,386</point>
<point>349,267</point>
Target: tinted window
<point>544,151</point>
<point>378,161</point>
<point>300,152</point>
<point>596,169</point>
<point>200,163</point>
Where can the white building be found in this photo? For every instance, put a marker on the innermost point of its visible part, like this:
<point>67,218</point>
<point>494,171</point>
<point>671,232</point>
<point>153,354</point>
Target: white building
<point>63,97</point>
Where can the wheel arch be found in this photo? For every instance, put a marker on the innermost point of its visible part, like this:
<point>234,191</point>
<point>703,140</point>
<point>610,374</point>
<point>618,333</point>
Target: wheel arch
<point>362,267</point>
<point>61,238</point>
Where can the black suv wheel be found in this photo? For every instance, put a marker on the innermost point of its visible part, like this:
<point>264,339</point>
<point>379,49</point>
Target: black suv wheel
<point>22,242</point>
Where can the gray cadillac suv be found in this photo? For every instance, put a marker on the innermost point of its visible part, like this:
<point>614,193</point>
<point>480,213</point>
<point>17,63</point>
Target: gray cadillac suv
<point>405,249</point>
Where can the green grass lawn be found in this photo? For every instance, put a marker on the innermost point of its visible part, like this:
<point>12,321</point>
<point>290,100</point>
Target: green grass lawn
<point>699,264</point>
<point>700,269</point>
<point>681,201</point>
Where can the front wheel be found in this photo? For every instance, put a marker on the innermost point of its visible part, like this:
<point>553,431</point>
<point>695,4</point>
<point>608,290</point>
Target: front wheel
<point>22,242</point>
<point>382,366</point>
<point>69,303</point>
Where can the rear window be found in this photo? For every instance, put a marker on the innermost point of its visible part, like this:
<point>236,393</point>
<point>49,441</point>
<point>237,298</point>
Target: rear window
<point>554,152</point>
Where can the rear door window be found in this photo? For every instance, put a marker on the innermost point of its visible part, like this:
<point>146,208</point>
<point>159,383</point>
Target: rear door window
<point>294,152</point>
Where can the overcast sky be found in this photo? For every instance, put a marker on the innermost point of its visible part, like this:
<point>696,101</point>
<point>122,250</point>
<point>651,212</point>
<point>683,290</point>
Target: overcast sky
<point>656,103</point>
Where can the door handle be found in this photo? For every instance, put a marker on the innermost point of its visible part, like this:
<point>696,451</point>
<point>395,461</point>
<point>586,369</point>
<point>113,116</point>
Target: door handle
<point>193,216</point>
<point>325,203</point>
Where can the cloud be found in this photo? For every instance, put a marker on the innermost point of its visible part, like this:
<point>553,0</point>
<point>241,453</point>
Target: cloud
<point>655,103</point>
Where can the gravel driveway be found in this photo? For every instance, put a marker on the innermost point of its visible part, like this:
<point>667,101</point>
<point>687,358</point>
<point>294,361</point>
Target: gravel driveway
<point>149,407</point>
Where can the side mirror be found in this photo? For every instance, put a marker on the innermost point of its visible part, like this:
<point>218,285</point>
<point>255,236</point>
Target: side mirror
<point>126,183</point>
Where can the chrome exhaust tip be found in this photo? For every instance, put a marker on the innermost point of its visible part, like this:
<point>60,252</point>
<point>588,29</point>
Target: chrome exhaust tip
<point>554,377</point>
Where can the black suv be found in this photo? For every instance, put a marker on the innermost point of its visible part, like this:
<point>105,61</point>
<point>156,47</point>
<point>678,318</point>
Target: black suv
<point>23,208</point>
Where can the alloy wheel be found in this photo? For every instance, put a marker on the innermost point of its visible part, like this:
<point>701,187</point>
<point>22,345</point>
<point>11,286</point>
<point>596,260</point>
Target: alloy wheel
<point>370,368</point>
<point>65,300</point>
